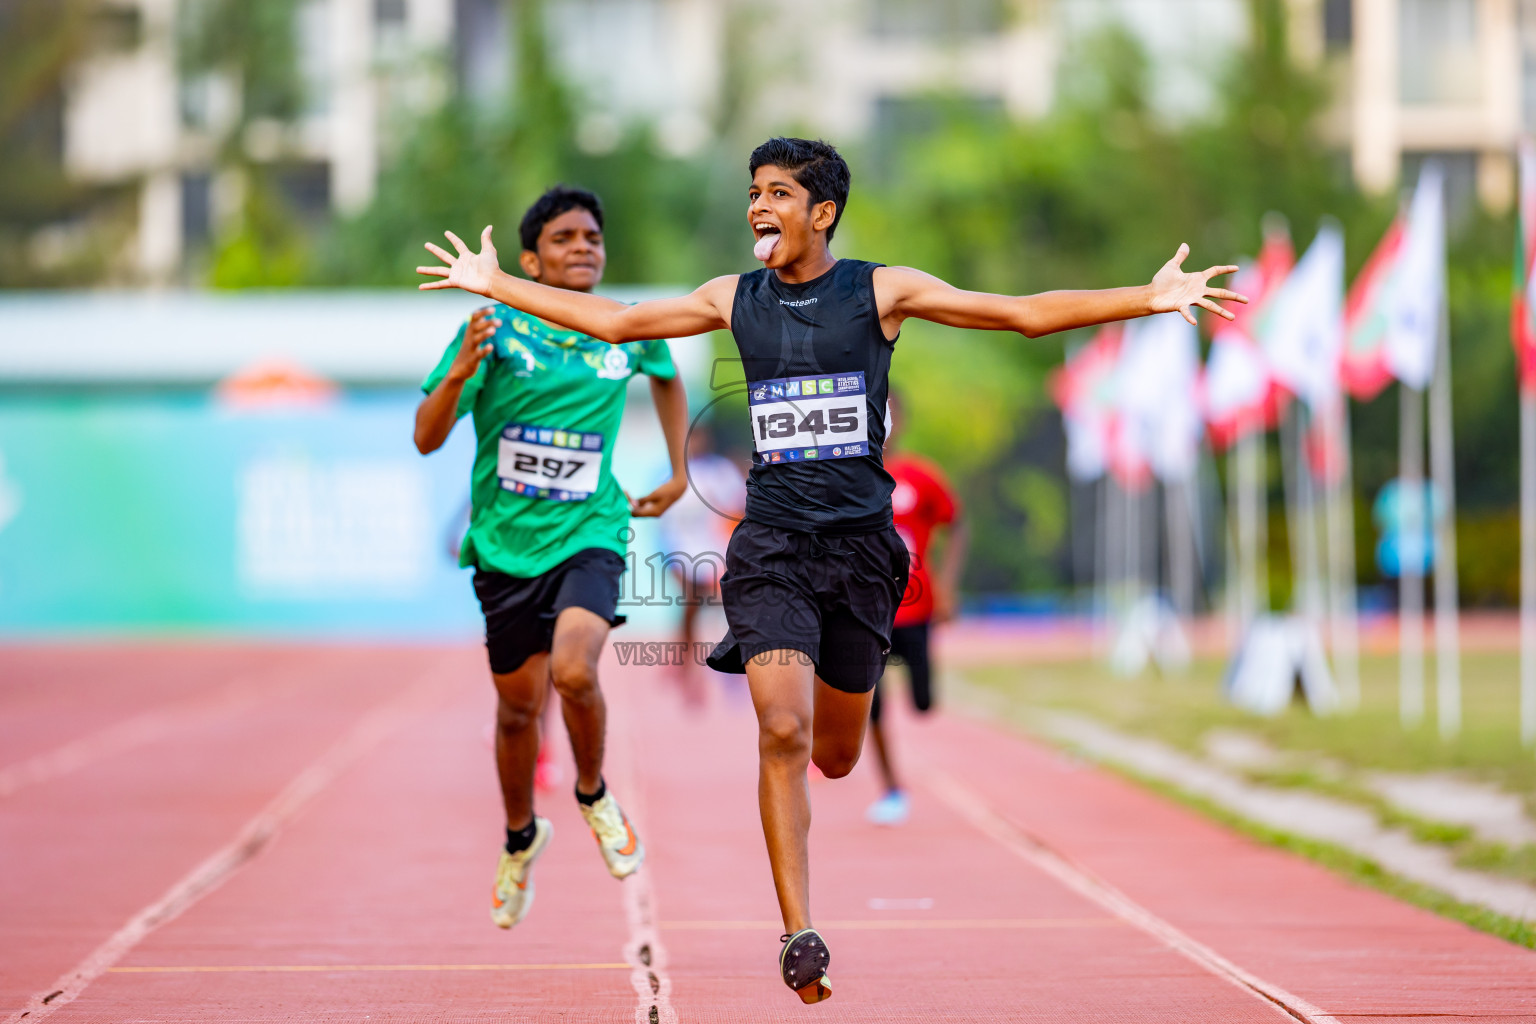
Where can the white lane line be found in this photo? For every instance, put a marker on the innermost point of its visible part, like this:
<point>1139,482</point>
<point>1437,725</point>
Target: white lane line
<point>251,840</point>
<point>140,730</point>
<point>1080,880</point>
<point>644,951</point>
<point>355,968</point>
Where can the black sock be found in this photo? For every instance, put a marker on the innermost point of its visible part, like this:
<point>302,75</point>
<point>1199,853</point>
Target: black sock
<point>519,840</point>
<point>582,798</point>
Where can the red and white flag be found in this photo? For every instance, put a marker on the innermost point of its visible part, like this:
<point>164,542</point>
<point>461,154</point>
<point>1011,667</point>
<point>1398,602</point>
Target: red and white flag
<point>1084,389</point>
<point>1523,302</point>
<point>1301,329</point>
<point>1392,318</point>
<point>1239,393</point>
<point>1158,426</point>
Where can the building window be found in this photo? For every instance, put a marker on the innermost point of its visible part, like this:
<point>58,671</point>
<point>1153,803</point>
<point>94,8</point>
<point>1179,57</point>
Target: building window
<point>306,189</point>
<point>196,209</point>
<point>1338,23</point>
<point>1438,60</point>
<point>483,48</point>
<point>925,19</point>
<point>389,12</point>
<point>1460,169</point>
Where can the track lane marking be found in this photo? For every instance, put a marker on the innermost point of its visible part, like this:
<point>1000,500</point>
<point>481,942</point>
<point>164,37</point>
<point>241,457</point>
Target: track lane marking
<point>974,809</point>
<point>905,924</point>
<point>344,968</point>
<point>644,951</point>
<point>259,831</point>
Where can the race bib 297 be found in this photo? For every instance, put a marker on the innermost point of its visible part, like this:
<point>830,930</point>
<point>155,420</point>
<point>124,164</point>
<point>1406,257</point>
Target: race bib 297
<point>557,465</point>
<point>798,419</point>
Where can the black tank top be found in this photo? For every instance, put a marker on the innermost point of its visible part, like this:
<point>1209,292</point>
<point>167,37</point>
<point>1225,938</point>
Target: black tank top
<point>827,326</point>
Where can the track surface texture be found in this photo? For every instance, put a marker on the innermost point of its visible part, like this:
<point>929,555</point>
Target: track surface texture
<point>213,832</point>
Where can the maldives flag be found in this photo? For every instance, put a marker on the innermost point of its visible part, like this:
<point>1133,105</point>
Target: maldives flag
<point>1392,314</point>
<point>1240,395</point>
<point>1084,389</point>
<point>1523,305</point>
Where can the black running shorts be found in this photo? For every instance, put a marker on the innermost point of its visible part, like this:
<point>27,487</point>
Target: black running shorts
<point>520,611</point>
<point>909,644</point>
<point>830,598</point>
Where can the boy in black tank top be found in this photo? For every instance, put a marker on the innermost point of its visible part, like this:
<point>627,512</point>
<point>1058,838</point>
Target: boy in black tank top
<point>815,572</point>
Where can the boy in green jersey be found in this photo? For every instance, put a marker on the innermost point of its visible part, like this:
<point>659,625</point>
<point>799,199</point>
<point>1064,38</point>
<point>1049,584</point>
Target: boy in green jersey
<point>548,521</point>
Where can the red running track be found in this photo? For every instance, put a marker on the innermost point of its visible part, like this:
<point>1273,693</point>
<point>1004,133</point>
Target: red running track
<point>219,833</point>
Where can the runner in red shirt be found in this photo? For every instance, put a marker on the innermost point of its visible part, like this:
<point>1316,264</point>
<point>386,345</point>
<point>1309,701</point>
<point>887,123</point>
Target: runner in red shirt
<point>921,502</point>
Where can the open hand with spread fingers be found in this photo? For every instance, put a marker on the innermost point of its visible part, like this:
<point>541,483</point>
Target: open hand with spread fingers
<point>1174,290</point>
<point>471,271</point>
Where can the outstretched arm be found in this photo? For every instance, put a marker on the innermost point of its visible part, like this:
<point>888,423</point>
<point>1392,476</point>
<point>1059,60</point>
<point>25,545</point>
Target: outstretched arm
<point>901,292</point>
<point>708,308</point>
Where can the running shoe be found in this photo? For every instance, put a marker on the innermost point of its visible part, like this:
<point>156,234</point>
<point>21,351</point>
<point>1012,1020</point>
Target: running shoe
<point>803,962</point>
<point>621,848</point>
<point>513,893</point>
<point>891,809</point>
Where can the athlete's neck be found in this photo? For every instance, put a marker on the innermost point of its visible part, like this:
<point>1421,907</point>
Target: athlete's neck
<point>808,267</point>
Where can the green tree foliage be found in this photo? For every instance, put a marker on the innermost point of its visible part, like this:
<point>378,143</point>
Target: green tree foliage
<point>39,41</point>
<point>468,164</point>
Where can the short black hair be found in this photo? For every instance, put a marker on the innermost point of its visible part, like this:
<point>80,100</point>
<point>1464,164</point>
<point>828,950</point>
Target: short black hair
<point>815,164</point>
<point>551,205</point>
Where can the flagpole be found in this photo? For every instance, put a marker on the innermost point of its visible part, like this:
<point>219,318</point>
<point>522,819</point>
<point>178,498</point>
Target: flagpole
<point>1114,559</point>
<point>1178,521</point>
<point>1410,577</point>
<point>1341,553</point>
<point>1527,566</point>
<point>1100,558</point>
<point>1236,569</point>
<point>1442,456</point>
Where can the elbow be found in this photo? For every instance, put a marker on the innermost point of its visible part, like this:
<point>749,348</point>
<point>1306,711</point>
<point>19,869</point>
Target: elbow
<point>424,444</point>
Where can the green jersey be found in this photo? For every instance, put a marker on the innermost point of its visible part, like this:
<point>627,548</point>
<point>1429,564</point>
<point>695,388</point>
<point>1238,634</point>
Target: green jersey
<point>547,403</point>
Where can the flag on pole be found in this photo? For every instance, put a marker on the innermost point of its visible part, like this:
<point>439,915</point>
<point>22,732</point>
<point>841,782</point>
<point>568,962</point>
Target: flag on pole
<point>1300,328</point>
<point>1392,318</point>
<point>1084,389</point>
<point>1239,393</point>
<point>1157,397</point>
<point>1523,304</point>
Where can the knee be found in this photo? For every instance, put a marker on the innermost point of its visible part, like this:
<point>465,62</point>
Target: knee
<point>575,678</point>
<point>783,735</point>
<point>835,763</point>
<point>516,714</point>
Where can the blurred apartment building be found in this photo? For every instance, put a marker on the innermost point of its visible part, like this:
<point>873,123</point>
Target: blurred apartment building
<point>1455,78</point>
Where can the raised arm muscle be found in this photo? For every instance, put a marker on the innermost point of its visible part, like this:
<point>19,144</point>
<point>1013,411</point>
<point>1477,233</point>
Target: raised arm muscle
<point>707,308</point>
<point>901,292</point>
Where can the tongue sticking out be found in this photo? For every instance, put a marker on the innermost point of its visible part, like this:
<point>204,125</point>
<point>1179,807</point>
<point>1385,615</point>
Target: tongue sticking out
<point>764,247</point>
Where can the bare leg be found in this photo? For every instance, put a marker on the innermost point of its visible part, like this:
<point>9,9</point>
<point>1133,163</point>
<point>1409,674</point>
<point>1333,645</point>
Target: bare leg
<point>799,717</point>
<point>578,643</point>
<point>520,698</point>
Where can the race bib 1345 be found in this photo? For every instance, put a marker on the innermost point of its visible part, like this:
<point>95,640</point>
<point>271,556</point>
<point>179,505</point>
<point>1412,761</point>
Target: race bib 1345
<point>541,462</point>
<point>806,418</point>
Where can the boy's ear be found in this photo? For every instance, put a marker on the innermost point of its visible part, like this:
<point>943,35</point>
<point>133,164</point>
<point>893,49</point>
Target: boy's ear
<point>529,261</point>
<point>823,214</point>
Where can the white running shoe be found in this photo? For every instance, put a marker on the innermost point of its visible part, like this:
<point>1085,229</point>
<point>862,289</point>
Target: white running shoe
<point>513,893</point>
<point>616,839</point>
<point>891,809</point>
